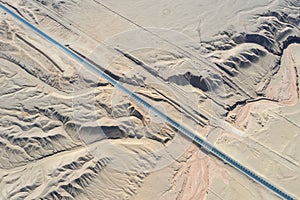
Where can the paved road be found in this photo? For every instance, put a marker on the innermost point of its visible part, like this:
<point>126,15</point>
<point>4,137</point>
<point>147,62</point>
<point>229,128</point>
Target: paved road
<point>136,98</point>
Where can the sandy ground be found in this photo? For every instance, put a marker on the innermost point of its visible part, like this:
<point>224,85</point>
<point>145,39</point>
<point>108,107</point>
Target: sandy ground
<point>228,70</point>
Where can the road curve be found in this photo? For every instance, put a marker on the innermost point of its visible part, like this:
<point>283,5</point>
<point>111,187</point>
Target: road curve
<point>136,98</point>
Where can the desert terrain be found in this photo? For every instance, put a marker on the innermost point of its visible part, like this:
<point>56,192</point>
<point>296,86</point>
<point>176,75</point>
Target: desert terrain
<point>228,70</point>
